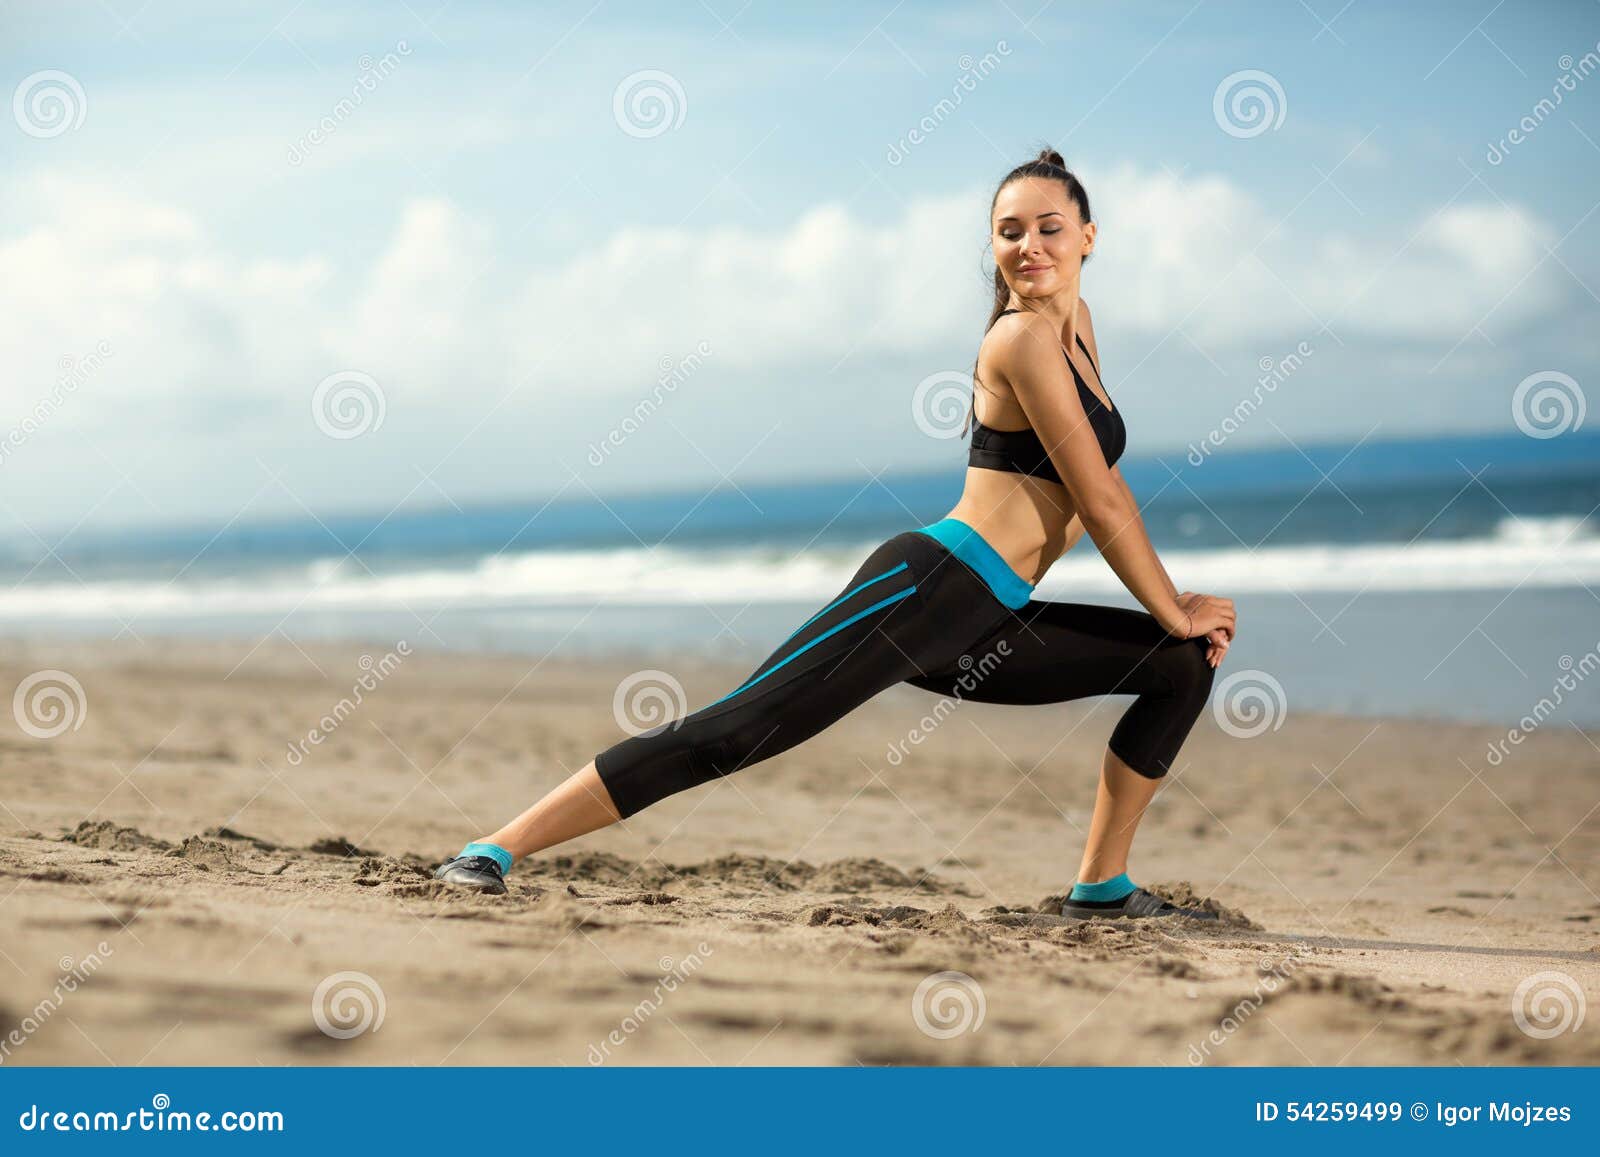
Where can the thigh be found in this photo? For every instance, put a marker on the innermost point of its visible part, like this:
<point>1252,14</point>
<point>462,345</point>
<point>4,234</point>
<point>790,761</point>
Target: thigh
<point>829,666</point>
<point>1050,652</point>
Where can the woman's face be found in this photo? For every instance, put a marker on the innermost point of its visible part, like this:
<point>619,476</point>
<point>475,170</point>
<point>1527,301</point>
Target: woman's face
<point>1038,238</point>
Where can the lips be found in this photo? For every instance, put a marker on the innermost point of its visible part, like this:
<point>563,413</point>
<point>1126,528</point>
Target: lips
<point>1033,269</point>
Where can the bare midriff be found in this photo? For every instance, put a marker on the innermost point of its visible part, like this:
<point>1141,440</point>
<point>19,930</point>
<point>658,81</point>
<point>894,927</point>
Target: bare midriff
<point>1029,521</point>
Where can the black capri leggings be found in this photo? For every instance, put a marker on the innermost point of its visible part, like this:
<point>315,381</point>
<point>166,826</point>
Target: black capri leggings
<point>938,608</point>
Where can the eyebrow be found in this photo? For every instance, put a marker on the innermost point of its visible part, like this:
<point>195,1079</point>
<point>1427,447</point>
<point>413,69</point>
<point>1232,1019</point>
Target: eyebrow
<point>1041,217</point>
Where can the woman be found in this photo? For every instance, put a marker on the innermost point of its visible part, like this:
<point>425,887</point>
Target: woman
<point>928,604</point>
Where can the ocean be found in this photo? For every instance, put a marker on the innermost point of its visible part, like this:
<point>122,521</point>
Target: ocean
<point>1443,577</point>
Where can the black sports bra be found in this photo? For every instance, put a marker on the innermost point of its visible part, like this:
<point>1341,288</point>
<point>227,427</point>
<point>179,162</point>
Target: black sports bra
<point>1021,451</point>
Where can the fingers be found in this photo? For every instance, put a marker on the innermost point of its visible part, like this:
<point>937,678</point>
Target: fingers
<point>1217,610</point>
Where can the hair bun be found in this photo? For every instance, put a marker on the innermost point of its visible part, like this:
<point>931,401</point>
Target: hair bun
<point>1050,156</point>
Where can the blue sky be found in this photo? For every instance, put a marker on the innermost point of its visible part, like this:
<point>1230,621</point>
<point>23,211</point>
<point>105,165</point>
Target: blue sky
<point>494,243</point>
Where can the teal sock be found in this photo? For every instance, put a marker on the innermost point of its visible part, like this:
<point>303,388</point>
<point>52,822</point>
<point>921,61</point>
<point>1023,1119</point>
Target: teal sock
<point>1113,889</point>
<point>494,851</point>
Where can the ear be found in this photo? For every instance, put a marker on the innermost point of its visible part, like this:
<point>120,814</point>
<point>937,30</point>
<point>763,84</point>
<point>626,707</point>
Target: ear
<point>1089,231</point>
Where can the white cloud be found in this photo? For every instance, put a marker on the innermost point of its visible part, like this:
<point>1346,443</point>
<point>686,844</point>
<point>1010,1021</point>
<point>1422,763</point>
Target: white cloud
<point>1204,254</point>
<point>191,317</point>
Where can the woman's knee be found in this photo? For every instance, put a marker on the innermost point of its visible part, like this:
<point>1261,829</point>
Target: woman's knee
<point>1185,664</point>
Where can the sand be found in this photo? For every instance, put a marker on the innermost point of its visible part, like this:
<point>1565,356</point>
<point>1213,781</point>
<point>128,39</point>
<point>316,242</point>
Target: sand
<point>174,889</point>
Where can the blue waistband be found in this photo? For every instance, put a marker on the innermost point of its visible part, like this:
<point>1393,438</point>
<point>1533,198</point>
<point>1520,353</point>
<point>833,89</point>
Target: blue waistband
<point>973,549</point>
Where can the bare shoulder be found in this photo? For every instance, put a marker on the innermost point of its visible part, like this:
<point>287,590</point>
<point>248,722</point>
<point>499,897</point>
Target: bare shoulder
<point>1023,353</point>
<point>1085,319</point>
<point>1086,327</point>
<point>1019,334</point>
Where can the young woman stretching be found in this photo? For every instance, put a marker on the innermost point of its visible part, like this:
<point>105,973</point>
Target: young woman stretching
<point>928,603</point>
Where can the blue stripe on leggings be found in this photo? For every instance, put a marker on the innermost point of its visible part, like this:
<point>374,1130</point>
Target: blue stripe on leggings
<point>849,594</point>
<point>894,598</point>
<point>843,598</point>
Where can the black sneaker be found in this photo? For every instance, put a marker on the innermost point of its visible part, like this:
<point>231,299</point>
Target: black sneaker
<point>1137,903</point>
<point>479,873</point>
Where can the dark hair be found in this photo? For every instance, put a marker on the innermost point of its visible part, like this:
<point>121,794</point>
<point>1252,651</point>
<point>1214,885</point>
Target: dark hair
<point>1047,164</point>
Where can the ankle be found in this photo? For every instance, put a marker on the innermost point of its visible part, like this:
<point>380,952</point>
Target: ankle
<point>493,851</point>
<point>1115,888</point>
<point>1099,871</point>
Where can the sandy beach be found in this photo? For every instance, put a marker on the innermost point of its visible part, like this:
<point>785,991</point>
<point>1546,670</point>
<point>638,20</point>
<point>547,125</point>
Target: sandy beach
<point>177,888</point>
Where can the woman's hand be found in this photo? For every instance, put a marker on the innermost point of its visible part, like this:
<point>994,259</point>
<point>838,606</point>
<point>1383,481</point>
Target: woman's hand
<point>1213,618</point>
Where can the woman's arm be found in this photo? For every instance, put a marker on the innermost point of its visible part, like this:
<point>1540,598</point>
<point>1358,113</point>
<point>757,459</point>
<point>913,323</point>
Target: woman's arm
<point>1218,641</point>
<point>1086,327</point>
<point>1116,472</point>
<point>1027,352</point>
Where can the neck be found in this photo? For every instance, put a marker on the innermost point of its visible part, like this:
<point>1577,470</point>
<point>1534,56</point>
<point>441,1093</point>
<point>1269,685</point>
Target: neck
<point>1062,308</point>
